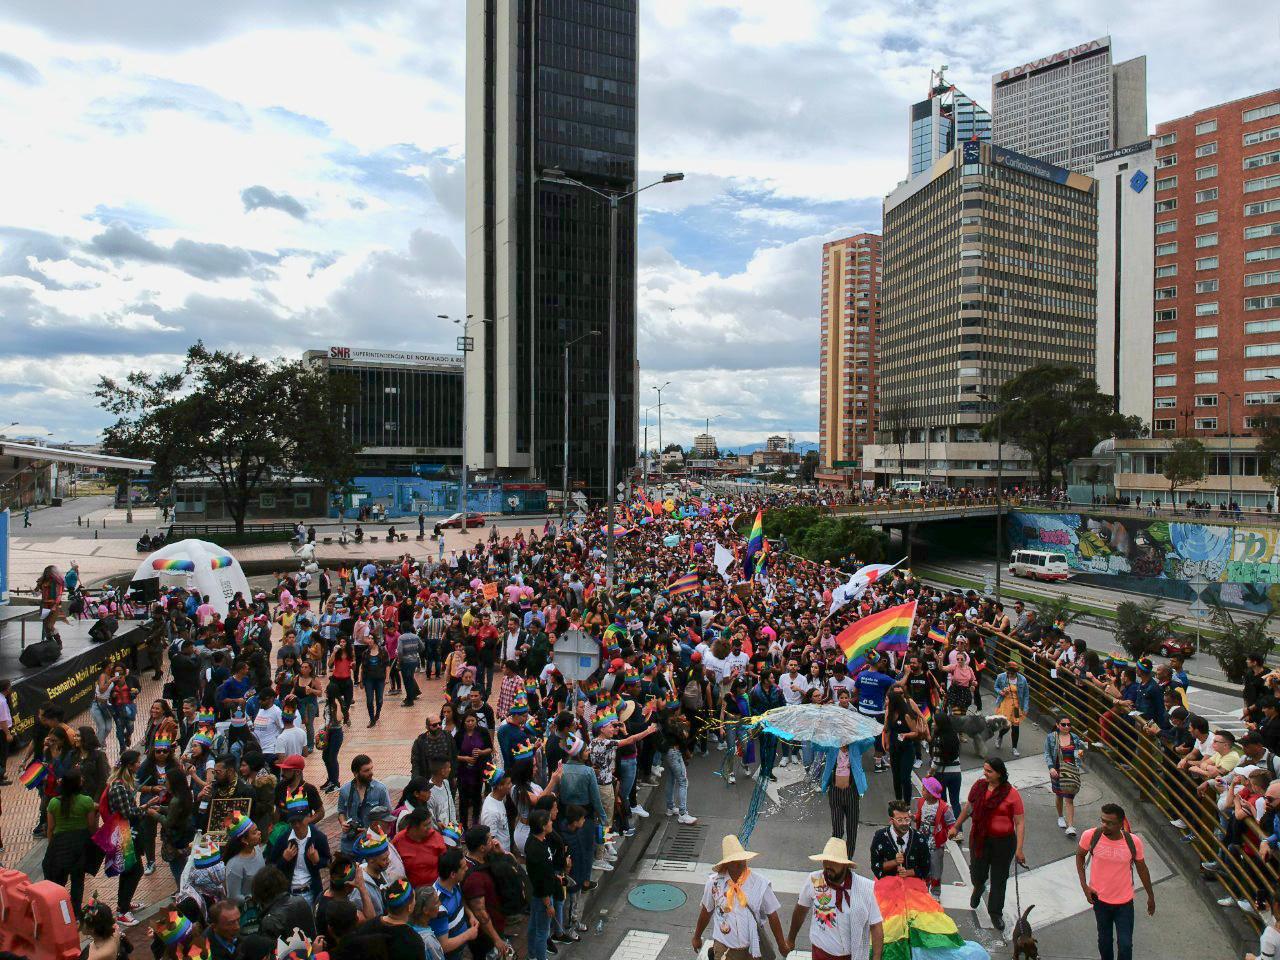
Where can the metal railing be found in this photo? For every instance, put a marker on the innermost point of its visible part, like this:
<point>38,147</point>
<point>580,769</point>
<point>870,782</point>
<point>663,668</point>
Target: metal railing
<point>1145,760</point>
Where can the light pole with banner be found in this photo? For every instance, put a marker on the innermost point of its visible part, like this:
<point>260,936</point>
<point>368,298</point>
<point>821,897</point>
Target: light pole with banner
<point>613,199</point>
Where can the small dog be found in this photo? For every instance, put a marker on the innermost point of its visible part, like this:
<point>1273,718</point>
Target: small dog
<point>1024,942</point>
<point>981,729</point>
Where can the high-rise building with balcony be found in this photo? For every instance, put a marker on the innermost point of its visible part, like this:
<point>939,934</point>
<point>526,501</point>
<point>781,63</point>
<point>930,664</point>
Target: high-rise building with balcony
<point>941,122</point>
<point>850,314</point>
<point>1217,269</point>
<point>1069,107</point>
<point>551,90</point>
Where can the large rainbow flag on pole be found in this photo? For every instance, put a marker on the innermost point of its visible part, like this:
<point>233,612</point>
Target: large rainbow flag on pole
<point>757,546</point>
<point>887,630</point>
<point>916,927</point>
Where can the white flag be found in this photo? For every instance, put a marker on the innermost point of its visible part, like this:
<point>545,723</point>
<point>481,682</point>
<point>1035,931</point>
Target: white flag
<point>723,560</point>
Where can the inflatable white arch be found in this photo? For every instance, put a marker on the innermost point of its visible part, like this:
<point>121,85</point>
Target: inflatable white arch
<point>200,565</point>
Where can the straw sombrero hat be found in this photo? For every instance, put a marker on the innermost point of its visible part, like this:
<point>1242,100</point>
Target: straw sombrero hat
<point>731,851</point>
<point>833,852</point>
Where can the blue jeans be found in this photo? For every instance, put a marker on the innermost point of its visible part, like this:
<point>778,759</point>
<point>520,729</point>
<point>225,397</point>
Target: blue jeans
<point>736,734</point>
<point>677,781</point>
<point>330,755</point>
<point>951,783</point>
<point>1117,917</point>
<point>539,929</point>
<point>626,780</point>
<point>373,697</point>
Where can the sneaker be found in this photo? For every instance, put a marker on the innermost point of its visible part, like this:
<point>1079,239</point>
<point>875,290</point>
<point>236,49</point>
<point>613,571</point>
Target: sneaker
<point>1210,865</point>
<point>126,920</point>
<point>721,746</point>
<point>670,812</point>
<point>998,923</point>
<point>1062,823</point>
<point>604,865</point>
<point>1071,831</point>
<point>1017,752</point>
<point>1178,824</point>
<point>732,779</point>
<point>1098,745</point>
<point>552,948</point>
<point>975,898</point>
<point>579,927</point>
<point>1227,902</point>
<point>640,812</point>
<point>629,832</point>
<point>686,819</point>
<point>1247,907</point>
<point>784,761</point>
<point>150,869</point>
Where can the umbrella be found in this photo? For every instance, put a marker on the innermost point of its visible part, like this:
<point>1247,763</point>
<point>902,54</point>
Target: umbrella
<point>823,725</point>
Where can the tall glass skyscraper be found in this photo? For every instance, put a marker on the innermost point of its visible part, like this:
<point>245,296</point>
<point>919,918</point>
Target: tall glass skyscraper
<point>947,118</point>
<point>550,84</point>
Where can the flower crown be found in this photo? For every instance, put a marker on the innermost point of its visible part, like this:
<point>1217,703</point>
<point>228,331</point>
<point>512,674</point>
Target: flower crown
<point>370,844</point>
<point>395,894</point>
<point>452,833</point>
<point>526,750</point>
<point>493,775</point>
<point>238,825</point>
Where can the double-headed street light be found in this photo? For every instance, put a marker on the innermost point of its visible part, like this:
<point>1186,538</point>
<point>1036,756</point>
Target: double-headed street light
<point>613,199</point>
<point>465,345</point>
<point>660,406</point>
<point>564,480</point>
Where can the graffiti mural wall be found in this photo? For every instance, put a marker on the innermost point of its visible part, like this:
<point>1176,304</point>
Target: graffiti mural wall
<point>1160,557</point>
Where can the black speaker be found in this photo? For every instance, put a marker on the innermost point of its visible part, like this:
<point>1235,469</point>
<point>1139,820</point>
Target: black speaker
<point>145,591</point>
<point>41,653</point>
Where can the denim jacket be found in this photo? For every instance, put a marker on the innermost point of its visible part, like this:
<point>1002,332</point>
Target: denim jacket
<point>357,811</point>
<point>578,785</point>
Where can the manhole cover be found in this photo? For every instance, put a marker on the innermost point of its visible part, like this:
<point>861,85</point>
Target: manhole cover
<point>656,897</point>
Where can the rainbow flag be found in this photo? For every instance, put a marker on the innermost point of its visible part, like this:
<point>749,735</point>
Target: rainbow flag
<point>173,565</point>
<point>916,927</point>
<point>678,587</point>
<point>219,563</point>
<point>34,775</point>
<point>757,547</point>
<point>887,630</point>
<point>938,635</point>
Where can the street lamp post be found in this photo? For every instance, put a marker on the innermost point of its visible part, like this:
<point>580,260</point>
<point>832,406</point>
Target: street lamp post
<point>648,410</point>
<point>660,405</point>
<point>999,484</point>
<point>465,346</point>
<point>556,175</point>
<point>1231,495</point>
<point>564,480</point>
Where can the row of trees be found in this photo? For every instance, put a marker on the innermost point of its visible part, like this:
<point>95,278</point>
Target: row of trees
<point>240,422</point>
<point>815,534</point>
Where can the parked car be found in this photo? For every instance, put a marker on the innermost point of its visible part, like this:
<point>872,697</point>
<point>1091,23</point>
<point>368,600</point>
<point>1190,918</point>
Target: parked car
<point>1181,645</point>
<point>455,521</point>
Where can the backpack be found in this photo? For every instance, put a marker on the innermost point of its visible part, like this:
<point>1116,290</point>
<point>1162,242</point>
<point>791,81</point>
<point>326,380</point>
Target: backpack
<point>511,883</point>
<point>691,695</point>
<point>1128,839</point>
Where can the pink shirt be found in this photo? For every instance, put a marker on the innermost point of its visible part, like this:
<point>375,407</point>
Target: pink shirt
<point>1110,866</point>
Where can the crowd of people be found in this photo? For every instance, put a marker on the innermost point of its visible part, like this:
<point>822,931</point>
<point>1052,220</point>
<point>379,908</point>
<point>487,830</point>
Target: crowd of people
<point>523,783</point>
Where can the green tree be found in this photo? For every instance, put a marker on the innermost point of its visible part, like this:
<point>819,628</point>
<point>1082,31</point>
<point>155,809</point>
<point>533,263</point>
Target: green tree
<point>834,538</point>
<point>1140,629</point>
<point>1056,414</point>
<point>808,467</point>
<point>1237,640</point>
<point>1267,429</point>
<point>239,421</point>
<point>1056,609</point>
<point>1184,465</point>
<point>672,466</point>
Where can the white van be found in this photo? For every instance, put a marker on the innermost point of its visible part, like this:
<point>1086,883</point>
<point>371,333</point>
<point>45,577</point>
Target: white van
<point>1039,565</point>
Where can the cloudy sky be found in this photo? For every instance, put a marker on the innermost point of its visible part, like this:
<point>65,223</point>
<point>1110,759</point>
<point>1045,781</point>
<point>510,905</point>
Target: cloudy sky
<point>273,177</point>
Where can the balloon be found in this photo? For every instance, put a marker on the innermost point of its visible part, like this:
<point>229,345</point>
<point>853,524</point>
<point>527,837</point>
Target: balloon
<point>699,548</point>
<point>477,583</point>
<point>644,520</point>
<point>671,540</point>
<point>704,512</point>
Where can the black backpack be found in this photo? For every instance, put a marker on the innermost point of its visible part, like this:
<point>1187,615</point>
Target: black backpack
<point>511,883</point>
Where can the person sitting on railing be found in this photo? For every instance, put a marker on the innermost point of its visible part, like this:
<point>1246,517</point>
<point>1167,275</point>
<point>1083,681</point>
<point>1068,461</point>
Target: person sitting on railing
<point>1267,722</point>
<point>1177,739</point>
<point>1150,698</point>
<point>1224,758</point>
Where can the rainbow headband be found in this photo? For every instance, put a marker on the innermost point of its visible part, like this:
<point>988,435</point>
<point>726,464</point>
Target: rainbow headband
<point>162,743</point>
<point>603,720</point>
<point>206,718</point>
<point>211,859</point>
<point>452,833</point>
<point>519,706</point>
<point>493,775</point>
<point>397,893</point>
<point>371,844</point>
<point>526,750</point>
<point>297,802</point>
<point>343,876</point>
<point>186,566</point>
<point>203,739</point>
<point>175,929</point>
<point>238,826</point>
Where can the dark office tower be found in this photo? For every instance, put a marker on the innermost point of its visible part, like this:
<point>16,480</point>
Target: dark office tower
<point>551,84</point>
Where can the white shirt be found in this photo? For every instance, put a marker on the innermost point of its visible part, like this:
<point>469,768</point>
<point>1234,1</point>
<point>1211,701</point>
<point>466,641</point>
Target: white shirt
<point>1269,944</point>
<point>848,932</point>
<point>301,879</point>
<point>291,741</point>
<point>267,726</point>
<point>735,664</point>
<point>442,805</point>
<point>493,814</point>
<point>716,668</point>
<point>743,925</point>
<point>793,688</point>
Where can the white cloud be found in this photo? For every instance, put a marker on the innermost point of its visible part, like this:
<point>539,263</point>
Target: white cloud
<point>343,122</point>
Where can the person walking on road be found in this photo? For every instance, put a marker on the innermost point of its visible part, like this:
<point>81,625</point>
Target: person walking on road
<point>999,828</point>
<point>846,920</point>
<point>1111,854</point>
<point>1063,751</point>
<point>737,903</point>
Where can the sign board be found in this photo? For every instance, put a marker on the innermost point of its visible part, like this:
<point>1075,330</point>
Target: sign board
<point>988,586</point>
<point>1024,164</point>
<point>357,355</point>
<point>1069,54</point>
<point>1199,584</point>
<point>576,655</point>
<point>4,555</point>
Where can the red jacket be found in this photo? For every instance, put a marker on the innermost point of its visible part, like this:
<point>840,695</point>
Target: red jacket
<point>421,860</point>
